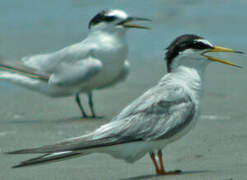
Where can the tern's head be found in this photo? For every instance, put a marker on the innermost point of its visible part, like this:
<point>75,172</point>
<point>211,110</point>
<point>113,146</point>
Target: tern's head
<point>191,50</point>
<point>114,20</point>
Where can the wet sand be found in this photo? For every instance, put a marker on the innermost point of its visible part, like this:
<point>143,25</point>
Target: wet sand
<point>215,149</point>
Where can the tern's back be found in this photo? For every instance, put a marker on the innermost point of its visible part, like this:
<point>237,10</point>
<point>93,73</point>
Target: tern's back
<point>50,61</point>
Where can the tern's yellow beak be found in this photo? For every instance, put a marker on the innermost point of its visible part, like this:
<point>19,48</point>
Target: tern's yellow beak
<point>126,23</point>
<point>135,26</point>
<point>221,49</point>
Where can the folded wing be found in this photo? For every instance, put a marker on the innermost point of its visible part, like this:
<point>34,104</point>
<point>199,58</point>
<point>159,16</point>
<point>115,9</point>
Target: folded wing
<point>66,74</point>
<point>157,114</point>
<point>72,73</point>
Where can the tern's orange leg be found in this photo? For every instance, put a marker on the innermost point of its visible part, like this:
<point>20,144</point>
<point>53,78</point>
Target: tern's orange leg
<point>162,169</point>
<point>152,155</point>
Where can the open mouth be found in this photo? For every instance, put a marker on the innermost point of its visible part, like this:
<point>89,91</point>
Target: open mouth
<point>221,49</point>
<point>127,23</point>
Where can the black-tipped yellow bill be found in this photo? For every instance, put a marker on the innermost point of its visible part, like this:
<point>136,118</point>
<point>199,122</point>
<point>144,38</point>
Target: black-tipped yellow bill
<point>127,23</point>
<point>221,49</point>
<point>135,26</point>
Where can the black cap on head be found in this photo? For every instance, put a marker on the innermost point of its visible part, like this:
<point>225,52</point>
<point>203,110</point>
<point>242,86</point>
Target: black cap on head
<point>181,43</point>
<point>100,17</point>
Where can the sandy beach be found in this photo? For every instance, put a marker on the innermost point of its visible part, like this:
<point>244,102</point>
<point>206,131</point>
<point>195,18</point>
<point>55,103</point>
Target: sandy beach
<point>214,150</point>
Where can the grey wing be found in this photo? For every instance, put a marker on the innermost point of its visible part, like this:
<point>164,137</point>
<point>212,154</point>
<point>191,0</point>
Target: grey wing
<point>170,123</point>
<point>50,61</point>
<point>76,72</point>
<point>158,114</point>
<point>155,115</point>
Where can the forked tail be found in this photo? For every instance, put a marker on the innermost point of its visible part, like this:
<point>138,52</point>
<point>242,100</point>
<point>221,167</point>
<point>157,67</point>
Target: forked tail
<point>19,68</point>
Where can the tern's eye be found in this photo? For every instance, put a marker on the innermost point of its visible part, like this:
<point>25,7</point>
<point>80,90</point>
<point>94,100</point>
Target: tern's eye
<point>201,45</point>
<point>109,18</point>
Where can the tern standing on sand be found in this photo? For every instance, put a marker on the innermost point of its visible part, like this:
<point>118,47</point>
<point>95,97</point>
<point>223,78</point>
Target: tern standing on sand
<point>99,61</point>
<point>161,115</point>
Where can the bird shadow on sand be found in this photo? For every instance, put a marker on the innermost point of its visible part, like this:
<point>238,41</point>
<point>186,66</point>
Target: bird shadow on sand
<point>157,176</point>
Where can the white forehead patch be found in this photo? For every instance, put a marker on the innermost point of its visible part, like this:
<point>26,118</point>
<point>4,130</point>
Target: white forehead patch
<point>119,13</point>
<point>205,42</point>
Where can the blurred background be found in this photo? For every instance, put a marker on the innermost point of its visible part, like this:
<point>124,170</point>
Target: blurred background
<point>29,119</point>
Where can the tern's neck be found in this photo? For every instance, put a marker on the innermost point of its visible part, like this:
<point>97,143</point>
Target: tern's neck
<point>113,34</point>
<point>110,48</point>
<point>109,41</point>
<point>192,78</point>
<point>192,71</point>
<point>189,74</point>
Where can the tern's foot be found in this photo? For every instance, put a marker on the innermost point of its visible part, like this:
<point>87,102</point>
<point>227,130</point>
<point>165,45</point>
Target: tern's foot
<point>84,116</point>
<point>97,117</point>
<point>163,173</point>
<point>92,117</point>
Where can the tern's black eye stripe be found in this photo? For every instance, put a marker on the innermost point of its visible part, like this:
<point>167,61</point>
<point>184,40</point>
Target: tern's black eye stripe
<point>193,45</point>
<point>110,18</point>
<point>200,45</point>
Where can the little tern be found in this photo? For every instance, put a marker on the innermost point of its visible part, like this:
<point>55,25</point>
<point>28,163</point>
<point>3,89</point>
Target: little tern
<point>160,116</point>
<point>97,62</point>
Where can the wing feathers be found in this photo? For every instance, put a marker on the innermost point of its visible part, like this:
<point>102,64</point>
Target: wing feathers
<point>156,115</point>
<point>75,73</point>
<point>47,158</point>
<point>18,67</point>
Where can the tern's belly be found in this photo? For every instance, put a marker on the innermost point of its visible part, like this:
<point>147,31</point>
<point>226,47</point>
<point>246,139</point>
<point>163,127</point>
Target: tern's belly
<point>101,80</point>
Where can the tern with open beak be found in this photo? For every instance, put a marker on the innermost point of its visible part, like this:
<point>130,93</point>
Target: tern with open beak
<point>99,61</point>
<point>160,116</point>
